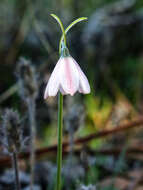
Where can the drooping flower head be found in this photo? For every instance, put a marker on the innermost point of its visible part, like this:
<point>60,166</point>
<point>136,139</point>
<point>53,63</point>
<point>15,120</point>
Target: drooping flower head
<point>67,77</point>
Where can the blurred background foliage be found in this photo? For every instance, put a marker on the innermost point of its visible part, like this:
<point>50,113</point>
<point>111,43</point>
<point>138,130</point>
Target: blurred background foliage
<point>108,47</point>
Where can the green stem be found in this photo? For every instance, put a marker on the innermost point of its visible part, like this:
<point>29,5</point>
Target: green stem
<point>59,153</point>
<point>60,115</point>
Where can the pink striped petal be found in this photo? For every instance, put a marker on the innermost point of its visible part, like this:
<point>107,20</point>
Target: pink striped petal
<point>84,86</point>
<point>69,76</point>
<point>53,83</point>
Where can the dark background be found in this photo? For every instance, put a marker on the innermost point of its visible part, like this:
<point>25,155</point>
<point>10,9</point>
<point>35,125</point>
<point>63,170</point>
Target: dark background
<point>109,49</point>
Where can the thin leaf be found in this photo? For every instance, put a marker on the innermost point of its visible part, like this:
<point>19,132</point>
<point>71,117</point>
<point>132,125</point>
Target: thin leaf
<point>71,25</point>
<point>61,26</point>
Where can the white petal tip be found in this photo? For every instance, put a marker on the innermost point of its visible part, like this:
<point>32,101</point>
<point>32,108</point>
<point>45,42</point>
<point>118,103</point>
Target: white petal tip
<point>45,96</point>
<point>85,92</point>
<point>49,95</point>
<point>85,89</point>
<point>72,94</point>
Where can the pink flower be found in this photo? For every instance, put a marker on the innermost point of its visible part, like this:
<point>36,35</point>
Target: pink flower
<point>67,77</point>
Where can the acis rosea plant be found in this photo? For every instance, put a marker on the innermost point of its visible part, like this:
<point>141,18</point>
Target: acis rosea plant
<point>67,78</point>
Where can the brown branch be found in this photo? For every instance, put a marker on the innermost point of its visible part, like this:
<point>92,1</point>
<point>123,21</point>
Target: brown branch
<point>4,161</point>
<point>135,182</point>
<point>137,122</point>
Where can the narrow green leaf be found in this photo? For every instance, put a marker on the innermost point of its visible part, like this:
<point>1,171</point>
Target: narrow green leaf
<point>71,25</point>
<point>61,26</point>
<point>75,22</point>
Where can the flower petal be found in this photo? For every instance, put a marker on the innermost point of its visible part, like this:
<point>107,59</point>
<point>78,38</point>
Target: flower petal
<point>69,76</point>
<point>62,90</point>
<point>84,86</point>
<point>53,83</point>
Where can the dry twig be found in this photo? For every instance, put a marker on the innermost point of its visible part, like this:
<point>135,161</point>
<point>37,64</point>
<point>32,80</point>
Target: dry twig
<point>4,161</point>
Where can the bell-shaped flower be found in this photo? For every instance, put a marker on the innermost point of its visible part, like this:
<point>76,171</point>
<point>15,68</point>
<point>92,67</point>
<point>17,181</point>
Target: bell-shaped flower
<point>67,77</point>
